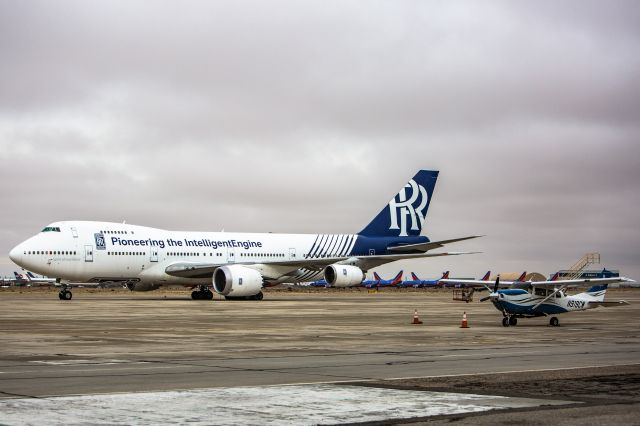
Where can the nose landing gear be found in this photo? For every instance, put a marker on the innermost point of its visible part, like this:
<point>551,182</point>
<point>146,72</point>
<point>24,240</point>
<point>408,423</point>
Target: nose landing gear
<point>65,293</point>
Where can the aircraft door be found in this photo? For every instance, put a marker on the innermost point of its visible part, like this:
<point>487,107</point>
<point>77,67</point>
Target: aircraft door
<point>88,253</point>
<point>292,254</point>
<point>153,257</point>
<point>231,255</point>
<point>372,252</point>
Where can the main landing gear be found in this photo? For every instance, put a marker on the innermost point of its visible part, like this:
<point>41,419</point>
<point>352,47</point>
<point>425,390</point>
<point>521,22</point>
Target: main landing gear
<point>65,293</point>
<point>554,322</point>
<point>509,320</point>
<point>203,293</point>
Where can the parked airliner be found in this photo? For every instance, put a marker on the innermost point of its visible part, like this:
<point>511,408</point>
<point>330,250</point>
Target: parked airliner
<point>238,265</point>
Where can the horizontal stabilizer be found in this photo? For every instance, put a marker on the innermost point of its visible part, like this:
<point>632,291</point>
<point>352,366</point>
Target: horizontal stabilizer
<point>423,247</point>
<point>609,303</point>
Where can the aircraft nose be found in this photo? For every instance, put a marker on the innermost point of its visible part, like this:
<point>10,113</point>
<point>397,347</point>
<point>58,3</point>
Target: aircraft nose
<point>16,254</point>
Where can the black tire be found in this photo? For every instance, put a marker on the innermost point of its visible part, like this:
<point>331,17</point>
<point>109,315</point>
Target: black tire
<point>505,322</point>
<point>259,296</point>
<point>60,296</point>
<point>67,295</point>
<point>195,295</point>
<point>554,322</point>
<point>208,295</point>
<point>513,321</point>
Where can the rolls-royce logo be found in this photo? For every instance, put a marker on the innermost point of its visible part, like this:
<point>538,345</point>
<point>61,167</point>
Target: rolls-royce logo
<point>411,205</point>
<point>100,244</point>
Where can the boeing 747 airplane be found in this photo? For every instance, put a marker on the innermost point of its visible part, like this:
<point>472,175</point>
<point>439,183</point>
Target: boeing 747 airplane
<point>237,265</point>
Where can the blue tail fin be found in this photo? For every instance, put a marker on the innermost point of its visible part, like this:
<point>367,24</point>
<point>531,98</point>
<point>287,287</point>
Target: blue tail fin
<point>404,215</point>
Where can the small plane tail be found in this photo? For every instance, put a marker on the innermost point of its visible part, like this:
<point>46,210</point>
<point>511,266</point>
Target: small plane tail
<point>445,275</point>
<point>522,277</point>
<point>414,277</point>
<point>18,276</point>
<point>598,291</point>
<point>376,277</point>
<point>404,215</point>
<point>486,276</point>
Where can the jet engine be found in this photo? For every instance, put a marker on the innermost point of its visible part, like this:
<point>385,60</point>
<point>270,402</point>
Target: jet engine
<point>343,275</point>
<point>237,281</point>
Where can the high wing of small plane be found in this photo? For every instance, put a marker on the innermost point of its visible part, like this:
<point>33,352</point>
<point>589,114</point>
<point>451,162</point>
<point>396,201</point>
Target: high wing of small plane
<point>484,281</point>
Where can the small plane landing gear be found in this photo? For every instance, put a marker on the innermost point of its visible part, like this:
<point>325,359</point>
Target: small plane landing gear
<point>509,320</point>
<point>203,293</point>
<point>554,322</point>
<point>65,293</point>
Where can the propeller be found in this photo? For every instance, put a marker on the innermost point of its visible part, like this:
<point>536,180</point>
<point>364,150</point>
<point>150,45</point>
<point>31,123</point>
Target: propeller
<point>494,293</point>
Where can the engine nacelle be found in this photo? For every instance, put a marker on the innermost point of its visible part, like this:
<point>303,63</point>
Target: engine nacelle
<point>343,275</point>
<point>237,281</point>
<point>138,286</point>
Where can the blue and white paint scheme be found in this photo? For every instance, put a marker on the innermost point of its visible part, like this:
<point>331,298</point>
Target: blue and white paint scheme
<point>237,265</point>
<point>528,299</point>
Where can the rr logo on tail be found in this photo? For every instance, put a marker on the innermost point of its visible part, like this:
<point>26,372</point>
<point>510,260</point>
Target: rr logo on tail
<point>412,206</point>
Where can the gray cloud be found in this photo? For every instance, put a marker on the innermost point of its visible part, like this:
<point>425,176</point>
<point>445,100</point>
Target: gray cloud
<point>307,116</point>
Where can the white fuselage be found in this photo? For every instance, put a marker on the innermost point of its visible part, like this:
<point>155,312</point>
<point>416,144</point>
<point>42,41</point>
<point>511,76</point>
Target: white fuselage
<point>86,251</point>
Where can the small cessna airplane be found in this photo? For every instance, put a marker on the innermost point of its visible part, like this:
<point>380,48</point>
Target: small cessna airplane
<point>237,265</point>
<point>530,299</point>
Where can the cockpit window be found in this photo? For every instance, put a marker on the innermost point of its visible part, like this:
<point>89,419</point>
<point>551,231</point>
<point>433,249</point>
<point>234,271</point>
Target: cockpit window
<point>51,229</point>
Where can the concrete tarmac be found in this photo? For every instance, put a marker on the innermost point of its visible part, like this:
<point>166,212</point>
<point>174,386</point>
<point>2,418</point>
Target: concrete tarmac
<point>112,341</point>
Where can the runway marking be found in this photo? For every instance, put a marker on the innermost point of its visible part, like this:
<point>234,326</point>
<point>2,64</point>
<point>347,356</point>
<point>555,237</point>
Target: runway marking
<point>293,404</point>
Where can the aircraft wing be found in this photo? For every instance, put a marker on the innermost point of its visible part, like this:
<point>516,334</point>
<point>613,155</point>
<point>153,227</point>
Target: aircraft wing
<point>543,284</point>
<point>284,267</point>
<point>424,247</point>
<point>447,282</point>
<point>578,283</point>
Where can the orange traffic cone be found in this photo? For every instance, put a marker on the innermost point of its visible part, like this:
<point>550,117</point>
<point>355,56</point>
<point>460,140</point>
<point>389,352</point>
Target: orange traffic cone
<point>464,324</point>
<point>416,318</point>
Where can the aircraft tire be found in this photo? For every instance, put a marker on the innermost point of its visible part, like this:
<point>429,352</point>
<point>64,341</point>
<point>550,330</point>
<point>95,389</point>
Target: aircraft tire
<point>505,322</point>
<point>554,322</point>
<point>60,296</point>
<point>66,295</point>
<point>513,321</point>
<point>259,296</point>
<point>195,295</point>
<point>208,295</point>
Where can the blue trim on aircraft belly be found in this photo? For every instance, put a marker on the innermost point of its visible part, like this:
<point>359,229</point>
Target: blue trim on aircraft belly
<point>512,308</point>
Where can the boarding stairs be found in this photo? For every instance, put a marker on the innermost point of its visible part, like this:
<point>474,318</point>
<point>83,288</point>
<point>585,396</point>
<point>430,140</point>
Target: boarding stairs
<point>576,270</point>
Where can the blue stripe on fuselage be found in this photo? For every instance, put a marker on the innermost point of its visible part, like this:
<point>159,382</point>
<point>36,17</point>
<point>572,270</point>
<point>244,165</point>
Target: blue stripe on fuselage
<point>379,244</point>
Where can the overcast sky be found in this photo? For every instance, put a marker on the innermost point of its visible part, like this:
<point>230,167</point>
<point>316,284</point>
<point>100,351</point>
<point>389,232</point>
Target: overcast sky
<point>304,116</point>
